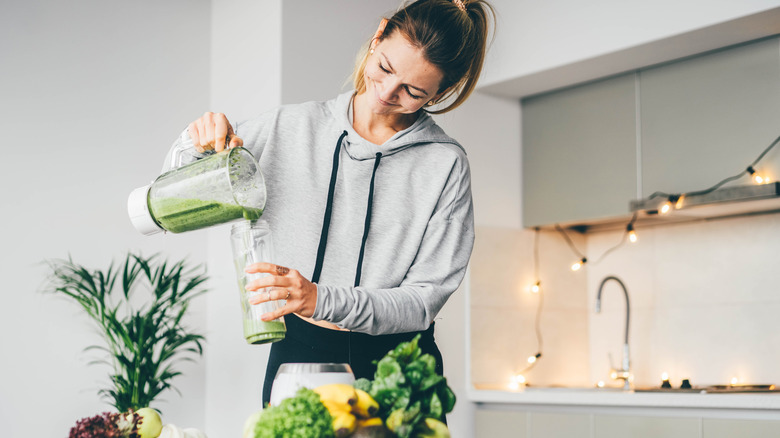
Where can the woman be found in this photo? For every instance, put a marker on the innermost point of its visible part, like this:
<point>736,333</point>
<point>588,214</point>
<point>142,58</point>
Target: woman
<point>368,199</point>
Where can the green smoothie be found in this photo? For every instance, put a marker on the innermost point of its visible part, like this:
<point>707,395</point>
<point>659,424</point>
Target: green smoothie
<point>178,215</point>
<point>261,332</point>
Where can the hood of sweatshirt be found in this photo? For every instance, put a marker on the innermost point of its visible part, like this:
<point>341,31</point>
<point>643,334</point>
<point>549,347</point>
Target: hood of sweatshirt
<point>423,130</point>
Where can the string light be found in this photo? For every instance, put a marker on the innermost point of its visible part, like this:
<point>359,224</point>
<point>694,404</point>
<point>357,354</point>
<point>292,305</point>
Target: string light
<point>757,178</point>
<point>519,378</point>
<point>751,171</point>
<point>631,232</point>
<point>516,381</point>
<point>679,204</point>
<point>577,265</point>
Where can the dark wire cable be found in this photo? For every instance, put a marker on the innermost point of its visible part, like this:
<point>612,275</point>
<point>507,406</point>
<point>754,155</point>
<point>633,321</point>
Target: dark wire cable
<point>537,324</point>
<point>623,238</point>
<point>537,321</point>
<point>749,170</point>
<point>765,152</point>
<point>568,241</point>
<point>536,254</point>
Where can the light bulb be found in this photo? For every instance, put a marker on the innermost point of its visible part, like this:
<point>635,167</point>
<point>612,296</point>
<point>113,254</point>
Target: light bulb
<point>532,359</point>
<point>757,178</point>
<point>600,383</point>
<point>578,265</point>
<point>536,287</point>
<point>664,376</point>
<point>516,381</point>
<point>665,208</point>
<point>679,204</point>
<point>631,233</point>
<point>734,380</point>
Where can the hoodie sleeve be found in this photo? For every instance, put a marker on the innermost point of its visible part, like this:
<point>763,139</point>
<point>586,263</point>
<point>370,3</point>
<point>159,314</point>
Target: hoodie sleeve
<point>436,273</point>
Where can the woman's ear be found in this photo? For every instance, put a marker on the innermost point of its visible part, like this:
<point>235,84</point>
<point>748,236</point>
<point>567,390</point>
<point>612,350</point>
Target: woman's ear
<point>378,33</point>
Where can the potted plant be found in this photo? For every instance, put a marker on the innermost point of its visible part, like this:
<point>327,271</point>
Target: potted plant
<point>143,345</point>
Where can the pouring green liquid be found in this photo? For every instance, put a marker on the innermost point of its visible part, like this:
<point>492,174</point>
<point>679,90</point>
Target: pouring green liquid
<point>178,215</point>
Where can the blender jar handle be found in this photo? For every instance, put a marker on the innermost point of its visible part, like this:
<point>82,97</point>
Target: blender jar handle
<point>181,149</point>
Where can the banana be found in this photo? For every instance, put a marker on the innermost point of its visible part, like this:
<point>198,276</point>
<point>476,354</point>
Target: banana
<point>366,406</point>
<point>344,424</point>
<point>338,392</point>
<point>369,422</point>
<point>336,408</point>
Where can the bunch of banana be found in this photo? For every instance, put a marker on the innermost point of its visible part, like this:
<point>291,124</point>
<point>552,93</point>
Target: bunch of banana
<point>351,408</point>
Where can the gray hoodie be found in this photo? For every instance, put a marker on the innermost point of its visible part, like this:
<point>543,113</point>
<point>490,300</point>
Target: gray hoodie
<point>415,234</point>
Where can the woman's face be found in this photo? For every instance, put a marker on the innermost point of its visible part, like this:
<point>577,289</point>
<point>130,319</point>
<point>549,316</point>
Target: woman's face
<point>399,80</point>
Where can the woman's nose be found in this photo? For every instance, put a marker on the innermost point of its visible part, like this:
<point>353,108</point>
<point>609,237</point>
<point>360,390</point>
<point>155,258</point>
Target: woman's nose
<point>389,91</point>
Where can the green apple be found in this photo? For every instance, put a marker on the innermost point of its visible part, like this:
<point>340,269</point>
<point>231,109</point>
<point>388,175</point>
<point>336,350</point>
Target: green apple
<point>150,424</point>
<point>250,423</point>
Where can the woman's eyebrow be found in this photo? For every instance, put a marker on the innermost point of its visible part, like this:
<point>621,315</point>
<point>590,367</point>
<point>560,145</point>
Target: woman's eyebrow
<point>390,66</point>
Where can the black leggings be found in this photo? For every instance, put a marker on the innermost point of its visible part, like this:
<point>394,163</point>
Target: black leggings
<point>309,343</point>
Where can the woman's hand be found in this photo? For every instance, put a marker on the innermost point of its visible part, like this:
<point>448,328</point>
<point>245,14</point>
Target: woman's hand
<point>211,132</point>
<point>287,284</point>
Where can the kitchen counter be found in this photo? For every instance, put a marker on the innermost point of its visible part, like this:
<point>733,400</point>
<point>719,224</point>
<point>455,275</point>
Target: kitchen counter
<point>766,403</point>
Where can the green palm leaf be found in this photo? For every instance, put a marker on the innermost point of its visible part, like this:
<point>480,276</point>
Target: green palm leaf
<point>143,346</point>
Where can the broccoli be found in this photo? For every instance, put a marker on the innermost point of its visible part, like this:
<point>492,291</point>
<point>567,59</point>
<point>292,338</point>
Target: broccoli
<point>302,416</point>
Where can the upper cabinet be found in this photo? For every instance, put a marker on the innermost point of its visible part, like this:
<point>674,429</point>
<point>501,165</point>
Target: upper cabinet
<point>589,150</point>
<point>579,152</point>
<point>707,118</point>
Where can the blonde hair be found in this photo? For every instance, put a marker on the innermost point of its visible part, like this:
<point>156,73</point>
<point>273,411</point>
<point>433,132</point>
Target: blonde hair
<point>452,37</point>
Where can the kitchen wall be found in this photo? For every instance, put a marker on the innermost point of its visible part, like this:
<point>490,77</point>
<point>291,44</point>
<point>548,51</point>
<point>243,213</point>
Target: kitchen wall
<point>91,95</point>
<point>685,281</point>
<point>704,302</point>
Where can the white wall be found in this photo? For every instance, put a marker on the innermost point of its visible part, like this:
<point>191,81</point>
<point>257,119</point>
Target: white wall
<point>246,74</point>
<point>91,95</point>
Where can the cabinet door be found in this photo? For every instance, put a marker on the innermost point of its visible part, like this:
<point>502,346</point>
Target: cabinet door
<point>543,425</point>
<point>614,426</point>
<point>579,153</point>
<point>500,424</point>
<point>707,118</point>
<point>715,428</point>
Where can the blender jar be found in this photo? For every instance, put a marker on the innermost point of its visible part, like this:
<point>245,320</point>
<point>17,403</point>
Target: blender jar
<point>251,243</point>
<point>220,188</point>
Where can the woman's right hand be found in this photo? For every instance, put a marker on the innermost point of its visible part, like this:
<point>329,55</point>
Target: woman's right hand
<point>211,132</point>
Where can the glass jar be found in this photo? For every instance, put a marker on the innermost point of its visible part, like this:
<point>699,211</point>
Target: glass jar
<point>251,242</point>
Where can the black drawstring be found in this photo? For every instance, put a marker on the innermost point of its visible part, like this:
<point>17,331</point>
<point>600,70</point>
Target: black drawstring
<point>315,277</point>
<point>367,221</point>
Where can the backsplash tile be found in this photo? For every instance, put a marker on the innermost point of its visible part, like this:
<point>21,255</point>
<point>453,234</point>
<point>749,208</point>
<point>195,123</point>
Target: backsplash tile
<point>704,303</point>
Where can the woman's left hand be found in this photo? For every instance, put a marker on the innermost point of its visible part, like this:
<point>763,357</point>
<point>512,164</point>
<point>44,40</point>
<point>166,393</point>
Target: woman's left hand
<point>287,284</point>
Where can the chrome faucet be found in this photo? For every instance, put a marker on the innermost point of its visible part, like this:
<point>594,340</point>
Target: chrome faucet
<point>624,373</point>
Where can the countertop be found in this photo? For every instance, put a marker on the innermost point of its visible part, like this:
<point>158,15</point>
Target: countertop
<point>565,396</point>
